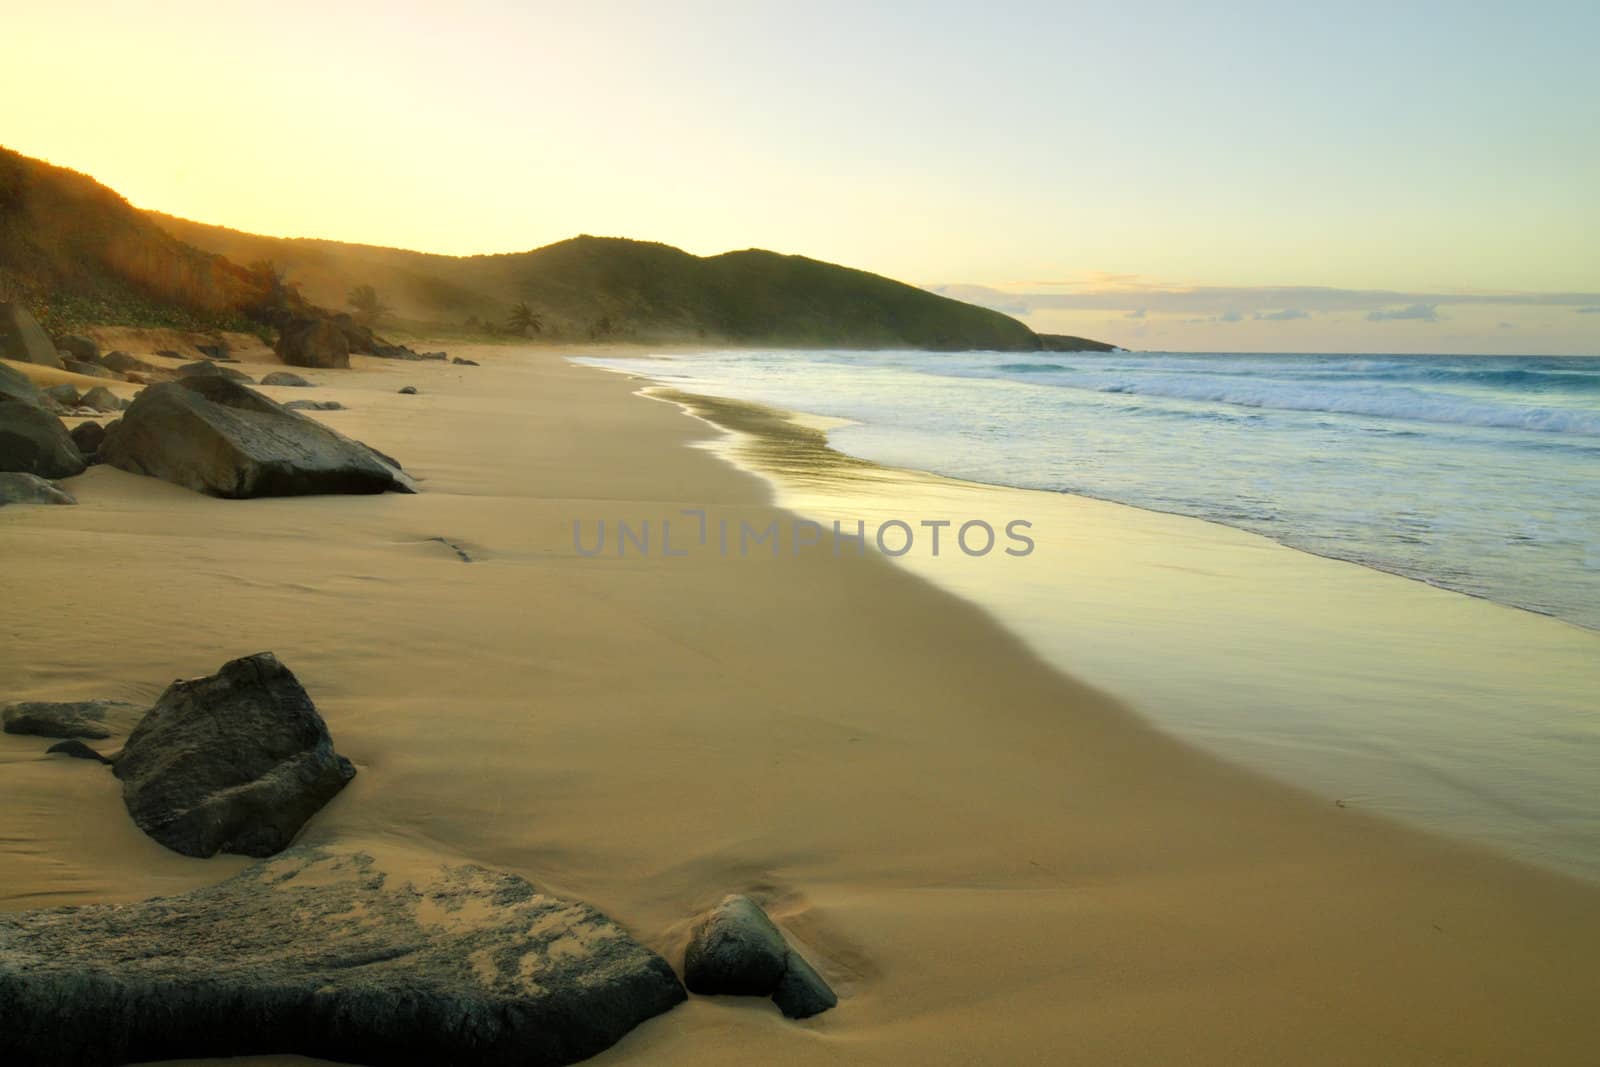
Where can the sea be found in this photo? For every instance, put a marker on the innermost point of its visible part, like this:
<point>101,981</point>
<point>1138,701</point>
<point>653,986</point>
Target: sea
<point>1476,475</point>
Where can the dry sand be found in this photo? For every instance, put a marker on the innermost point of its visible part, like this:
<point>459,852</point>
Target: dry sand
<point>990,862</point>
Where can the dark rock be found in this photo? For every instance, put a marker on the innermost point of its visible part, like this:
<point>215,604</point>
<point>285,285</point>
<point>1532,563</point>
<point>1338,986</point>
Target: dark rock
<point>205,368</point>
<point>91,370</point>
<point>441,356</point>
<point>358,337</point>
<point>216,350</point>
<point>458,361</point>
<point>33,441</point>
<point>88,436</point>
<point>14,385</point>
<point>330,954</point>
<point>23,339</point>
<point>77,750</point>
<point>102,399</point>
<point>31,489</point>
<point>94,719</point>
<point>735,949</point>
<point>283,377</point>
<point>63,394</point>
<point>314,405</point>
<point>408,390</point>
<point>169,353</point>
<point>313,343</point>
<point>123,363</point>
<point>78,347</point>
<point>219,437</point>
<point>387,351</point>
<point>234,762</point>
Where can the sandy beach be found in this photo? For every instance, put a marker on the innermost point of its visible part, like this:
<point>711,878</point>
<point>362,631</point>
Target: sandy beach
<point>989,861</point>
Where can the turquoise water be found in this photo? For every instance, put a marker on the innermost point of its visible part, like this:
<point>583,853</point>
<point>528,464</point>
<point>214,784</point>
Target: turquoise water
<point>1477,474</point>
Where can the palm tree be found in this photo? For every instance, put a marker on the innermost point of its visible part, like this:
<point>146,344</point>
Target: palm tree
<point>369,307</point>
<point>524,319</point>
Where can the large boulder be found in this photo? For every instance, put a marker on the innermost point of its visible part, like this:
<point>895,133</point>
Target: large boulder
<point>102,399</point>
<point>233,762</point>
<point>78,347</point>
<point>220,437</point>
<point>64,394</point>
<point>14,385</point>
<point>33,441</point>
<point>735,949</point>
<point>338,955</point>
<point>283,377</point>
<point>90,370</point>
<point>314,405</point>
<point>313,342</point>
<point>123,363</point>
<point>94,719</point>
<point>88,436</point>
<point>23,339</point>
<point>31,489</point>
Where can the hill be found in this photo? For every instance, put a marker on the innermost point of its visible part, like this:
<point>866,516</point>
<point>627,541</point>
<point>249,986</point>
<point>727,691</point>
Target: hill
<point>608,288</point>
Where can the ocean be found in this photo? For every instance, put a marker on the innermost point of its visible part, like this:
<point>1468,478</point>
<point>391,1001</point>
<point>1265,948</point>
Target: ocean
<point>1477,474</point>
<point>1476,716</point>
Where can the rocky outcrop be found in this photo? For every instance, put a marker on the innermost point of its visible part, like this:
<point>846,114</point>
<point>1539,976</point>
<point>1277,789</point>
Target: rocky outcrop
<point>33,441</point>
<point>205,367</point>
<point>90,370</point>
<point>88,436</point>
<point>63,394</point>
<point>233,762</point>
<point>102,399</point>
<point>213,350</point>
<point>331,954</point>
<point>219,437</point>
<point>313,342</point>
<point>23,339</point>
<point>283,377</point>
<point>93,719</point>
<point>31,489</point>
<point>123,363</point>
<point>735,949</point>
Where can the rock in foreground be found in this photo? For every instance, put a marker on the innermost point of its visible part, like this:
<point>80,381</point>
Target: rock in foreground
<point>235,762</point>
<point>220,437</point>
<point>736,949</point>
<point>94,719</point>
<point>33,441</point>
<point>31,489</point>
<point>328,954</point>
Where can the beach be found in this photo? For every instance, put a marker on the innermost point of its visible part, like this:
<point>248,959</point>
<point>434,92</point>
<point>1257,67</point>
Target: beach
<point>990,861</point>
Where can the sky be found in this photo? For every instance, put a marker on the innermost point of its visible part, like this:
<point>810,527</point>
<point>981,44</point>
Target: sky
<point>1389,177</point>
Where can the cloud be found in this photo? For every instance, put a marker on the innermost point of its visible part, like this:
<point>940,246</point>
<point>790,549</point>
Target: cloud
<point>1282,316</point>
<point>1417,312</point>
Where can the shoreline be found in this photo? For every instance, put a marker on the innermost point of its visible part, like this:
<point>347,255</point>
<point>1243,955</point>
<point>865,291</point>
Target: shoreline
<point>987,859</point>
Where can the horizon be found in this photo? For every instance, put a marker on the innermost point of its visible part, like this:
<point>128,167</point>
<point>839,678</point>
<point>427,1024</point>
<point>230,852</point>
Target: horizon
<point>1286,182</point>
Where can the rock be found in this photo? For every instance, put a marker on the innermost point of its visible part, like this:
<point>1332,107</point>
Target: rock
<point>14,385</point>
<point>219,437</point>
<point>78,750</point>
<point>33,441</point>
<point>123,363</point>
<point>169,353</point>
<point>31,489</point>
<point>78,347</point>
<point>458,361</point>
<point>314,405</point>
<point>283,377</point>
<point>435,355</point>
<point>204,367</point>
<point>338,955</point>
<point>233,762</point>
<point>23,339</point>
<point>63,394</point>
<point>102,399</point>
<point>735,949</point>
<point>94,719</point>
<point>88,436</point>
<point>313,343</point>
<point>358,337</point>
<point>91,370</point>
<point>215,350</point>
<point>408,390</point>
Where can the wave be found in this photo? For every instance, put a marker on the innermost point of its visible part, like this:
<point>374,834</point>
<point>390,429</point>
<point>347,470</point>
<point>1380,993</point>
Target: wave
<point>1033,368</point>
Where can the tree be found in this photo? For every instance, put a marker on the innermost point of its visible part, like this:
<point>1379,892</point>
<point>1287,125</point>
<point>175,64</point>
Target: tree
<point>368,306</point>
<point>524,320</point>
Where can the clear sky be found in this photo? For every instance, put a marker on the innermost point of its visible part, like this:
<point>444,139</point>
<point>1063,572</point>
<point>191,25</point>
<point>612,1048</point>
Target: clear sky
<point>1084,161</point>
